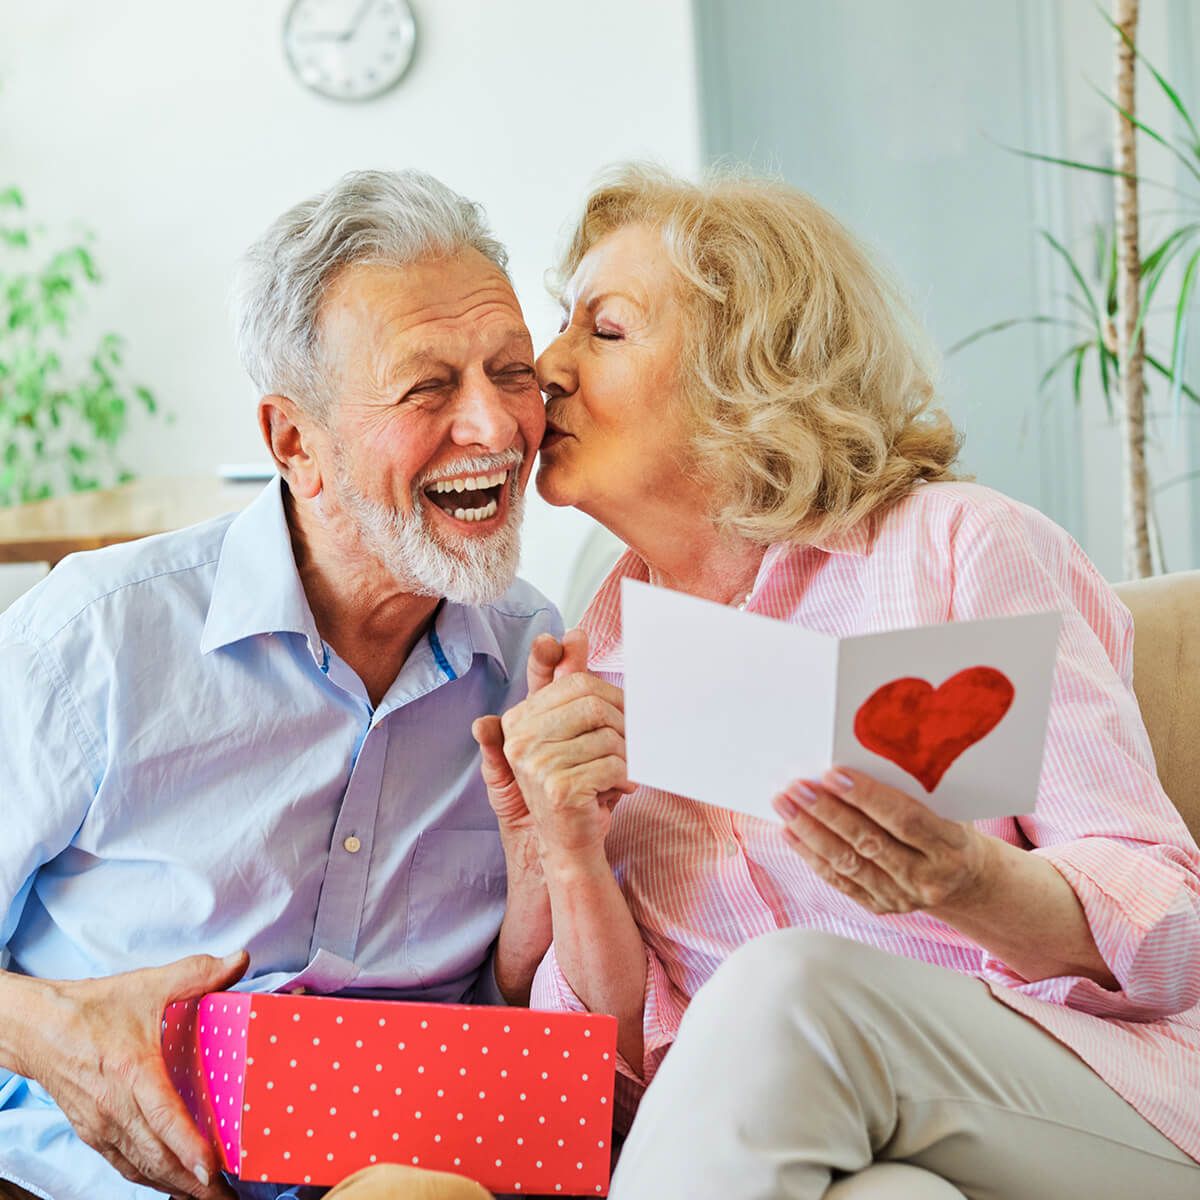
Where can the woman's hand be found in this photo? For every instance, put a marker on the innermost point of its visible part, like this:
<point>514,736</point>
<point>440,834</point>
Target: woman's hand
<point>881,847</point>
<point>566,747</point>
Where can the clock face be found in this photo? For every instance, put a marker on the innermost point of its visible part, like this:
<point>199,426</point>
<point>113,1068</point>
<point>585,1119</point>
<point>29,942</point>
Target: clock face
<point>349,49</point>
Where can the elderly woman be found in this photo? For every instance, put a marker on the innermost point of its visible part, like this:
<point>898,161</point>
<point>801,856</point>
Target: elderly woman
<point>1008,1007</point>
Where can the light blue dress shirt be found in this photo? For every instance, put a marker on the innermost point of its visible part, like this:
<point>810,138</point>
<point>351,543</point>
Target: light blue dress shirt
<point>188,768</point>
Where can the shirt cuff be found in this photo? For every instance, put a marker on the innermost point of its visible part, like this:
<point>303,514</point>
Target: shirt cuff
<point>1144,914</point>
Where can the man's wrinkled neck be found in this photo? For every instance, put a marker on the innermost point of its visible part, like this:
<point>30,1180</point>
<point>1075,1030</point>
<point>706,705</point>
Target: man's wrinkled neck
<point>359,607</point>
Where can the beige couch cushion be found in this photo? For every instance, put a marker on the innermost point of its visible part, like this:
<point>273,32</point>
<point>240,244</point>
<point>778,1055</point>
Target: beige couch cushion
<point>1166,678</point>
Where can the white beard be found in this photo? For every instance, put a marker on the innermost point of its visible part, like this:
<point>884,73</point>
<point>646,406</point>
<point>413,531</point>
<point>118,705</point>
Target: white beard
<point>469,570</point>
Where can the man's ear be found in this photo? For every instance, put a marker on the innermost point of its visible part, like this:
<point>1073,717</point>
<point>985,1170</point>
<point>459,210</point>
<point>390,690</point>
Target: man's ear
<point>292,438</point>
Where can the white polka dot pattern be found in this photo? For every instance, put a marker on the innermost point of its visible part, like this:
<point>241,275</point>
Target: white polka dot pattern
<point>309,1089</point>
<point>204,1043</point>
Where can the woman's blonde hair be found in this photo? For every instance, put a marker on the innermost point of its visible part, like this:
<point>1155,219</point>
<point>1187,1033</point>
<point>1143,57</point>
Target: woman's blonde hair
<point>805,372</point>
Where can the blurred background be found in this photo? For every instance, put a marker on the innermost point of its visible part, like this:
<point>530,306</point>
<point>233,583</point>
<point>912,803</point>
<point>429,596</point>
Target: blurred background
<point>173,133</point>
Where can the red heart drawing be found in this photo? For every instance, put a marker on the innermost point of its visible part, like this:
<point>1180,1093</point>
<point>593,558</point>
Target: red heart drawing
<point>922,729</point>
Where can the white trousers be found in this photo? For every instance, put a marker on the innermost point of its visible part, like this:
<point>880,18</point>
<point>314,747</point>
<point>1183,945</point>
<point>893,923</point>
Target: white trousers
<point>811,1066</point>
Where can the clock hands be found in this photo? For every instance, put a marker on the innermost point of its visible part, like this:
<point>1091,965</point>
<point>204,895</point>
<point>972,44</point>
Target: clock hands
<point>344,35</point>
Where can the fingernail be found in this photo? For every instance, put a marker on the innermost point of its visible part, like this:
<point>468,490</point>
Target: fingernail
<point>804,792</point>
<point>231,960</point>
<point>201,1173</point>
<point>840,780</point>
<point>785,806</point>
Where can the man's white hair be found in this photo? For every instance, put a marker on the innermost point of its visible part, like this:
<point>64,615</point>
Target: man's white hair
<point>388,217</point>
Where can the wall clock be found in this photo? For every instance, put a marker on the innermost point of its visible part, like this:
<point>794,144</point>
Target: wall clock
<point>349,49</point>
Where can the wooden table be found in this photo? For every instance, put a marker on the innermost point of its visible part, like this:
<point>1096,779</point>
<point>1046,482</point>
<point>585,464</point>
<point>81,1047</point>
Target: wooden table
<point>48,530</point>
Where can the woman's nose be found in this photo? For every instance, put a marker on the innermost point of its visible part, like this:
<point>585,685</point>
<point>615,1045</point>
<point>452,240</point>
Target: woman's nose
<point>556,367</point>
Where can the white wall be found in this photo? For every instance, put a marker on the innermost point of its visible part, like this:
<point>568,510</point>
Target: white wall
<point>175,132</point>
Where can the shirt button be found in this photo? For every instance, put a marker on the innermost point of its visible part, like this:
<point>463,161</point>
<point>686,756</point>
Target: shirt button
<point>352,845</point>
<point>731,848</point>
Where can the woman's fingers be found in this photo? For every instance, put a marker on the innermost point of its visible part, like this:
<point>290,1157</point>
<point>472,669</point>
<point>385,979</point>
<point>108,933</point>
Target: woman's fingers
<point>837,858</point>
<point>845,884</point>
<point>581,767</point>
<point>853,827</point>
<point>571,687</point>
<point>597,777</point>
<point>906,819</point>
<point>579,715</point>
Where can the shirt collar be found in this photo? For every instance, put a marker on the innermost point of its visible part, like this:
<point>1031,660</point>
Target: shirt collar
<point>463,631</point>
<point>257,588</point>
<point>856,541</point>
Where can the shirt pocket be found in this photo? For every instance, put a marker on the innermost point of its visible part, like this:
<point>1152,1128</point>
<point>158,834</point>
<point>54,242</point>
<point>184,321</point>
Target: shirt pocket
<point>456,892</point>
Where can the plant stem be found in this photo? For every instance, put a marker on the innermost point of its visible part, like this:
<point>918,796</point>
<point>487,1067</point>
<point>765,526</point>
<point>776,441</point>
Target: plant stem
<point>1130,348</point>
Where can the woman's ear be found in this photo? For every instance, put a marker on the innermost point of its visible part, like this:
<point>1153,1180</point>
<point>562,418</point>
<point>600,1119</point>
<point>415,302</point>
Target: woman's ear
<point>291,436</point>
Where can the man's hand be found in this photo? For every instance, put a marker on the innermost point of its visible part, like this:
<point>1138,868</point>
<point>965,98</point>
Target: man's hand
<point>96,1046</point>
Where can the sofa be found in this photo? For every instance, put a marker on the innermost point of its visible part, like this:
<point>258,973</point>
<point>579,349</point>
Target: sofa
<point>1166,678</point>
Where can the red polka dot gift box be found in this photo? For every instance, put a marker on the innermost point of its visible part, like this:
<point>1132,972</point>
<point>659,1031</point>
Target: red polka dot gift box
<point>308,1089</point>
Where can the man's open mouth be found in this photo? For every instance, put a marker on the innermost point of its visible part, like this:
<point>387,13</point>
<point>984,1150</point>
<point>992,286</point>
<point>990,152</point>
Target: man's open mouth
<point>468,497</point>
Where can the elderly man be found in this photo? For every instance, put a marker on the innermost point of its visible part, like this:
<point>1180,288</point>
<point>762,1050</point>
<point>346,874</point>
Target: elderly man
<point>252,738</point>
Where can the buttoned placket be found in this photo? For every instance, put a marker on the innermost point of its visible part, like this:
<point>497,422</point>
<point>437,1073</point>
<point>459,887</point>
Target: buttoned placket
<point>343,891</point>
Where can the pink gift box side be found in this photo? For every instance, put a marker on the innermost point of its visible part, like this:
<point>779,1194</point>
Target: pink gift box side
<point>309,1089</point>
<point>204,1044</point>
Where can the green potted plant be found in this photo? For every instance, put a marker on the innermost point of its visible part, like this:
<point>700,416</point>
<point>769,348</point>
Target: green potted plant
<point>1110,306</point>
<point>64,407</point>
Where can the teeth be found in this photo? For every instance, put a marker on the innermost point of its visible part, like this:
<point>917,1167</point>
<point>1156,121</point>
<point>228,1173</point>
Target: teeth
<point>471,482</point>
<point>476,514</point>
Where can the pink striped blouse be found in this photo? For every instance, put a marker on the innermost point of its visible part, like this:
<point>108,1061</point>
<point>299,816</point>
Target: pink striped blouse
<point>701,881</point>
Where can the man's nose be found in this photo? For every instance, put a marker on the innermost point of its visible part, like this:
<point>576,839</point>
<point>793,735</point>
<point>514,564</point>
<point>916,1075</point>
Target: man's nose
<point>556,367</point>
<point>484,418</point>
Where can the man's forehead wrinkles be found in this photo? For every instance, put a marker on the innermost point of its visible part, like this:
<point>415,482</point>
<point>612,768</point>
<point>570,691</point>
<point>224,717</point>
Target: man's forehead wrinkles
<point>474,304</point>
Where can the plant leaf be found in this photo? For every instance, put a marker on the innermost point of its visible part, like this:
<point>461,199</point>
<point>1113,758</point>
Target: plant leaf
<point>1059,362</point>
<point>1000,326</point>
<point>1073,163</point>
<point>1155,275</point>
<point>1169,91</point>
<point>1179,338</point>
<point>1065,254</point>
<point>1165,372</point>
<point>1151,133</point>
<point>1106,358</point>
<point>1077,374</point>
